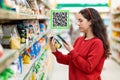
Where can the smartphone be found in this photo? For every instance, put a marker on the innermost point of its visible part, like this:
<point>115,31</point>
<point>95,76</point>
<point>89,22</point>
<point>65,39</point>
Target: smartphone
<point>62,39</point>
<point>57,43</point>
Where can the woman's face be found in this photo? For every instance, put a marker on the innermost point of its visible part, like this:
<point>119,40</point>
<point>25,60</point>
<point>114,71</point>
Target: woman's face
<point>83,23</point>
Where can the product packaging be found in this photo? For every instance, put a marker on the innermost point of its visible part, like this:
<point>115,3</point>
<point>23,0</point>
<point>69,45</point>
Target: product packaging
<point>57,43</point>
<point>1,51</point>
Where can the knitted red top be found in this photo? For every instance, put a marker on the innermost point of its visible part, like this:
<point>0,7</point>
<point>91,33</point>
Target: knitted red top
<point>85,61</point>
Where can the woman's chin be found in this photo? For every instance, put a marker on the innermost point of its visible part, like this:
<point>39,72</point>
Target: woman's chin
<point>81,30</point>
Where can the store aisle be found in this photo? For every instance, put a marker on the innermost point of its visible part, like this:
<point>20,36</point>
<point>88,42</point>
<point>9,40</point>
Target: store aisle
<point>111,71</point>
<point>59,72</point>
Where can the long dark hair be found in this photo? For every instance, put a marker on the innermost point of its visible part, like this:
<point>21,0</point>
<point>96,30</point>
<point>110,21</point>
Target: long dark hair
<point>98,27</point>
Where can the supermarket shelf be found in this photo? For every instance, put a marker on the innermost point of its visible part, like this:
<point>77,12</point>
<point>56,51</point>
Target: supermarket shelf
<point>27,68</point>
<point>41,71</point>
<point>116,20</point>
<point>115,38</point>
<point>116,47</point>
<point>8,57</point>
<point>117,12</point>
<point>116,56</point>
<point>42,17</point>
<point>12,15</point>
<point>116,60</point>
<point>24,46</point>
<point>49,61</point>
<point>116,29</point>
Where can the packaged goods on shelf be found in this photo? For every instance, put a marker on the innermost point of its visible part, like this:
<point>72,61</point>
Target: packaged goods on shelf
<point>10,35</point>
<point>42,27</point>
<point>27,38</point>
<point>5,4</point>
<point>27,30</point>
<point>116,25</point>
<point>34,6</point>
<point>117,34</point>
<point>22,31</point>
<point>15,39</point>
<point>34,25</point>
<point>1,51</point>
<point>26,58</point>
<point>6,74</point>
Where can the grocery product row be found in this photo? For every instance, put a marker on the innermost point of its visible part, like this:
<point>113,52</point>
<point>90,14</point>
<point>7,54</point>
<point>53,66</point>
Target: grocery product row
<point>24,32</point>
<point>27,42</point>
<point>115,37</point>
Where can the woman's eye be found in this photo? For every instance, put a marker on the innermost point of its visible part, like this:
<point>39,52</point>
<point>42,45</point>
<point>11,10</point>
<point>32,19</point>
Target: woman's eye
<point>80,20</point>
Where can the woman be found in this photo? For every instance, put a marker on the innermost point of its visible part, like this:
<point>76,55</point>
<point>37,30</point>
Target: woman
<point>87,56</point>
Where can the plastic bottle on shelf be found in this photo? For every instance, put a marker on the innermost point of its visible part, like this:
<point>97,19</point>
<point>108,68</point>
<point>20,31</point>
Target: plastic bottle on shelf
<point>26,59</point>
<point>42,27</point>
<point>33,75</point>
<point>6,74</point>
<point>20,64</point>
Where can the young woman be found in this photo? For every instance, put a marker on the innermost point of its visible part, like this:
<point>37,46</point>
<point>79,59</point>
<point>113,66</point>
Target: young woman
<point>87,56</point>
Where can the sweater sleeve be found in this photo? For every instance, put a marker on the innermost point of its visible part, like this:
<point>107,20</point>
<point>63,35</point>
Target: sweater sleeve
<point>61,58</point>
<point>94,56</point>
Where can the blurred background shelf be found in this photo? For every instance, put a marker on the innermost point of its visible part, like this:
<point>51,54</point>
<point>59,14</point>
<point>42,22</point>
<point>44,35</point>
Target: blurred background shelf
<point>115,38</point>
<point>114,13</point>
<point>116,21</point>
<point>116,29</point>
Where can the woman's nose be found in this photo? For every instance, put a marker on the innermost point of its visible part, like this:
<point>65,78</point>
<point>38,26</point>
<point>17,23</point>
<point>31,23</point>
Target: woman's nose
<point>78,23</point>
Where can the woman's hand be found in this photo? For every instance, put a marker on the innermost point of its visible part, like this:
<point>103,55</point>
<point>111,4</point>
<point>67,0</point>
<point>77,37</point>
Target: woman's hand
<point>52,46</point>
<point>68,47</point>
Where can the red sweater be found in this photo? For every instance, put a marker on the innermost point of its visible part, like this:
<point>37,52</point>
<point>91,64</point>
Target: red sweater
<point>85,61</point>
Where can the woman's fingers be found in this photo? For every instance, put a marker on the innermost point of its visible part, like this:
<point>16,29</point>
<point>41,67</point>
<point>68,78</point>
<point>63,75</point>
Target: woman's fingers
<point>51,43</point>
<point>66,46</point>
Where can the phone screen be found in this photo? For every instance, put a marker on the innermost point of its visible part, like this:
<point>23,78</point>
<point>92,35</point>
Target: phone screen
<point>62,39</point>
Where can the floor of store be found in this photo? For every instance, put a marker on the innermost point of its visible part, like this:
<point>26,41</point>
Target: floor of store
<point>110,70</point>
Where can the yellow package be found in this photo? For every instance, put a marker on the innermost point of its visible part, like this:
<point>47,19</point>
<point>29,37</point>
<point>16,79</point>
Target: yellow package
<point>15,42</point>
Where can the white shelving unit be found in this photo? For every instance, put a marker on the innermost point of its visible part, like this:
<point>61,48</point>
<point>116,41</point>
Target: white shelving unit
<point>116,21</point>
<point>116,38</point>
<point>114,13</point>
<point>116,29</point>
